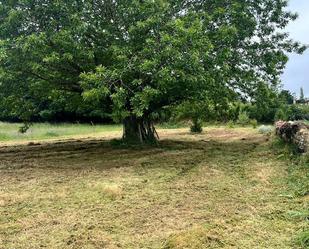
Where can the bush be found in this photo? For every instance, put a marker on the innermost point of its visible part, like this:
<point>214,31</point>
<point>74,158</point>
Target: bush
<point>282,114</point>
<point>254,123</point>
<point>266,129</point>
<point>243,118</point>
<point>292,112</point>
<point>263,115</point>
<point>298,112</point>
<point>24,128</point>
<point>230,124</point>
<point>197,126</point>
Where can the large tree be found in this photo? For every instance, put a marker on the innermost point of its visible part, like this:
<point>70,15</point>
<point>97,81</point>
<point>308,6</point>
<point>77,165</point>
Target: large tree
<point>142,55</point>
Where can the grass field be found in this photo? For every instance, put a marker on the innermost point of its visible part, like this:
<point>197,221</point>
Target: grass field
<point>9,132</point>
<point>39,131</point>
<point>225,188</point>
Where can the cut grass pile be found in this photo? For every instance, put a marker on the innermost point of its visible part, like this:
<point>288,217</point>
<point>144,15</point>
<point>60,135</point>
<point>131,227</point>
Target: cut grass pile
<point>224,188</point>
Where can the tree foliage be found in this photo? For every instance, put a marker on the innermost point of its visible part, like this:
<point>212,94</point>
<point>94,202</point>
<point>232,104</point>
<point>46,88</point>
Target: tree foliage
<point>141,56</point>
<point>286,97</point>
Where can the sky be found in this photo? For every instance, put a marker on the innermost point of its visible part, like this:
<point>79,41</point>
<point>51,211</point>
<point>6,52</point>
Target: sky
<point>296,74</point>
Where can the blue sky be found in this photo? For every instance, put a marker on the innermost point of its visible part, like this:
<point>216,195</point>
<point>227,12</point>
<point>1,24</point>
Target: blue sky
<point>297,71</point>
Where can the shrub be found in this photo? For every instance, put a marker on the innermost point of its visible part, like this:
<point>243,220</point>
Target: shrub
<point>254,123</point>
<point>299,112</point>
<point>197,126</point>
<point>266,129</point>
<point>24,128</point>
<point>282,114</point>
<point>243,118</point>
<point>230,124</point>
<point>293,112</point>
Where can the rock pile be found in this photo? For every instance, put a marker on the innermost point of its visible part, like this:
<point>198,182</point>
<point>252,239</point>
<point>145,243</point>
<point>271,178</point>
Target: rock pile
<point>294,132</point>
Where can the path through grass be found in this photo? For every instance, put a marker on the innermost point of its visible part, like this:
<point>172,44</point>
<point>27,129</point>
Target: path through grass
<point>222,189</point>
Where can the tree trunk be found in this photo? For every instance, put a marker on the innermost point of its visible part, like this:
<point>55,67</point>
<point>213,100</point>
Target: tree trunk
<point>139,130</point>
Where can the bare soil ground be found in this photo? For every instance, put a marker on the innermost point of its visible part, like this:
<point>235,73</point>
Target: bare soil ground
<point>222,189</point>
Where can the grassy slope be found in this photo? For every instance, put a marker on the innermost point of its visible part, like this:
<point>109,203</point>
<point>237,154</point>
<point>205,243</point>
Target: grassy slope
<point>222,189</point>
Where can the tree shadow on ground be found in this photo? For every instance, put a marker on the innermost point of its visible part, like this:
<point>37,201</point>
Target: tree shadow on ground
<point>102,154</point>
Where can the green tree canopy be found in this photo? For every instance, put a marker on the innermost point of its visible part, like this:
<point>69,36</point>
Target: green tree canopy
<point>141,55</point>
<point>286,97</point>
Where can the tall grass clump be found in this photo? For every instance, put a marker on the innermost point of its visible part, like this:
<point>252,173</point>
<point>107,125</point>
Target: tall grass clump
<point>303,240</point>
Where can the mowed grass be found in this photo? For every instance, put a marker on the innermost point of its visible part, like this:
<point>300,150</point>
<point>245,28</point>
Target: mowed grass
<point>224,188</point>
<point>39,131</point>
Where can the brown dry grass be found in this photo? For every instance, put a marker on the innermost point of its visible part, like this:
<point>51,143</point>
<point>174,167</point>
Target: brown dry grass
<point>221,189</point>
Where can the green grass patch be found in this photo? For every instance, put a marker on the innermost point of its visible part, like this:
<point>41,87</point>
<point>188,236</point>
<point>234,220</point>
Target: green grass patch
<point>41,131</point>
